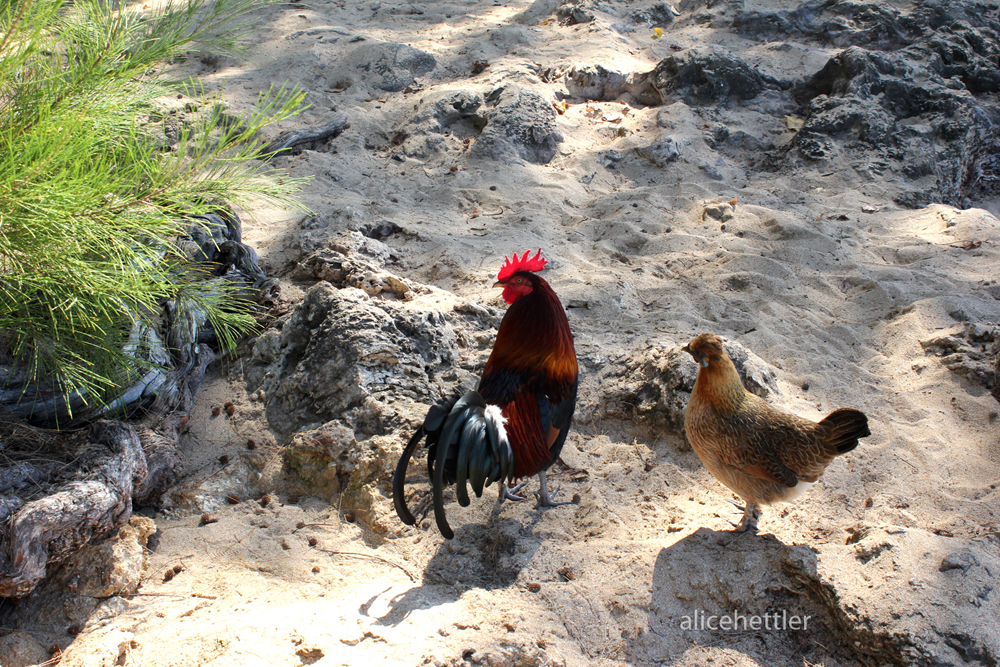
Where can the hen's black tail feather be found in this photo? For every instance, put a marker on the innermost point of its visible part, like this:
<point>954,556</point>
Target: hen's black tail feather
<point>844,427</point>
<point>466,443</point>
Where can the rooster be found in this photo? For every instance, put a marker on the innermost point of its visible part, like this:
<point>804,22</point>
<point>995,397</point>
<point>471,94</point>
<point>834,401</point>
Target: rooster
<point>514,425</point>
<point>763,454</point>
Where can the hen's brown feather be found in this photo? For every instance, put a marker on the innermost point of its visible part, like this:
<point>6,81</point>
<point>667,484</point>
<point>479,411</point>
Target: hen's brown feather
<point>758,451</point>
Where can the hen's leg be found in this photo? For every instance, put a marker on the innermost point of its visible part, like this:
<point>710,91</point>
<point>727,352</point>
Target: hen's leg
<point>749,520</point>
<point>544,499</point>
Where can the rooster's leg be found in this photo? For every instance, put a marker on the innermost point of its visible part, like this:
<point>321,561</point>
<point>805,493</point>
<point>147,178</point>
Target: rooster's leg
<point>544,499</point>
<point>510,492</point>
<point>749,520</point>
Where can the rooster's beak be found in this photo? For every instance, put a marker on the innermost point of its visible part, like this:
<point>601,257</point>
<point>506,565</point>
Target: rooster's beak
<point>498,284</point>
<point>686,349</point>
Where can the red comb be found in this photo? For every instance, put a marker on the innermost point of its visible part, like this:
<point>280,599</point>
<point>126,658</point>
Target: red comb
<point>525,263</point>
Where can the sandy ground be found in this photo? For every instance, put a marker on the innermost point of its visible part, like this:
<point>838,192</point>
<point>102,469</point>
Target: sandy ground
<point>818,272</point>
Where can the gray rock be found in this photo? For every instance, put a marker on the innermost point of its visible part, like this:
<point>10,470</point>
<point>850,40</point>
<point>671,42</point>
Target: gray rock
<point>863,101</point>
<point>710,76</point>
<point>342,355</point>
<point>19,649</point>
<point>662,152</point>
<point>442,122</point>
<point>112,567</point>
<point>571,14</point>
<point>845,23</point>
<point>958,560</point>
<point>969,349</point>
<point>520,126</point>
<point>386,66</point>
<point>659,14</point>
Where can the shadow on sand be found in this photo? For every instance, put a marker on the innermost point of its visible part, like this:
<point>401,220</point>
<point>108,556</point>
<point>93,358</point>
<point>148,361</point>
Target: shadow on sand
<point>734,591</point>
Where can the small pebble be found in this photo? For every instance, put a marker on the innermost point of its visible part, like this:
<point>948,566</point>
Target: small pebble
<point>349,517</point>
<point>293,500</point>
<point>300,525</point>
<point>224,459</point>
<point>285,545</point>
<point>74,629</point>
<point>206,519</point>
<point>216,411</point>
<point>230,408</point>
<point>168,575</point>
<point>313,541</point>
<point>233,499</point>
<point>251,444</point>
<point>265,500</point>
<point>534,587</point>
<point>310,653</point>
<point>178,568</point>
<point>315,569</point>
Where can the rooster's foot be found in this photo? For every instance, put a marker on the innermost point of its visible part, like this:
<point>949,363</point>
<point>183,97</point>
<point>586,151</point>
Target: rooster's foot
<point>544,498</point>
<point>510,493</point>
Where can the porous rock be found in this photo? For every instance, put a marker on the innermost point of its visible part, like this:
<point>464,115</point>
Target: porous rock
<point>442,121</point>
<point>969,349</point>
<point>386,66</point>
<point>915,112</point>
<point>839,23</point>
<point>330,462</point>
<point>662,152</point>
<point>19,649</point>
<point>353,260</point>
<point>706,76</point>
<point>343,355</point>
<point>520,127</point>
<point>697,76</point>
<point>598,83</point>
<point>111,567</point>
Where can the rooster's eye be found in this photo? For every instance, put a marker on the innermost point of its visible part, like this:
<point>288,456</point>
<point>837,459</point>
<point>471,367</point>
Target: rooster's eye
<point>519,281</point>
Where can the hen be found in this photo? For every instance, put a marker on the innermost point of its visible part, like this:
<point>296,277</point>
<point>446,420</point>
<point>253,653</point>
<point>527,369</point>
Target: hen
<point>515,424</point>
<point>763,454</point>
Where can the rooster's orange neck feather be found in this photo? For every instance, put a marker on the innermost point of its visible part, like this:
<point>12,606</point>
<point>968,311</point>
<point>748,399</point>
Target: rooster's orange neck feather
<point>535,334</point>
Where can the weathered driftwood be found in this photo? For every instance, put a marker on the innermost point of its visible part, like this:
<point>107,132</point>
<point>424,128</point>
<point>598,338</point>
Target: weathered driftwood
<point>51,528</point>
<point>123,464</point>
<point>287,141</point>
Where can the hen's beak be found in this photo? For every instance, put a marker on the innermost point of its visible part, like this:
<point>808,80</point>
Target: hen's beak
<point>688,350</point>
<point>498,284</point>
